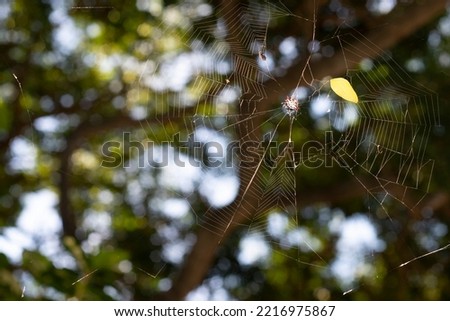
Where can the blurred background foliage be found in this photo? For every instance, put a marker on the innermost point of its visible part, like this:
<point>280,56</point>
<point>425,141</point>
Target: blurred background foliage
<point>70,80</point>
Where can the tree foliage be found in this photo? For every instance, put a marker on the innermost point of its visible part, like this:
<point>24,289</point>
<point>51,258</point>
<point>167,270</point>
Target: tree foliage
<point>72,80</point>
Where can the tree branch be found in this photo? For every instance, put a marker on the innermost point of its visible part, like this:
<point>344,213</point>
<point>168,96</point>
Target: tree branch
<point>81,134</point>
<point>395,27</point>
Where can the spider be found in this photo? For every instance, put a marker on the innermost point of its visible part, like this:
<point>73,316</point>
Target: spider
<point>290,106</point>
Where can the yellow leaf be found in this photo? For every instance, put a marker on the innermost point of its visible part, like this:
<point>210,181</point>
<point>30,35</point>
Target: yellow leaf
<point>344,89</point>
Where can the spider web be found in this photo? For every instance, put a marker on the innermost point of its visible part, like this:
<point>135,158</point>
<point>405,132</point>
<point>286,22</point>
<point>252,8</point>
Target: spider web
<point>232,95</point>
